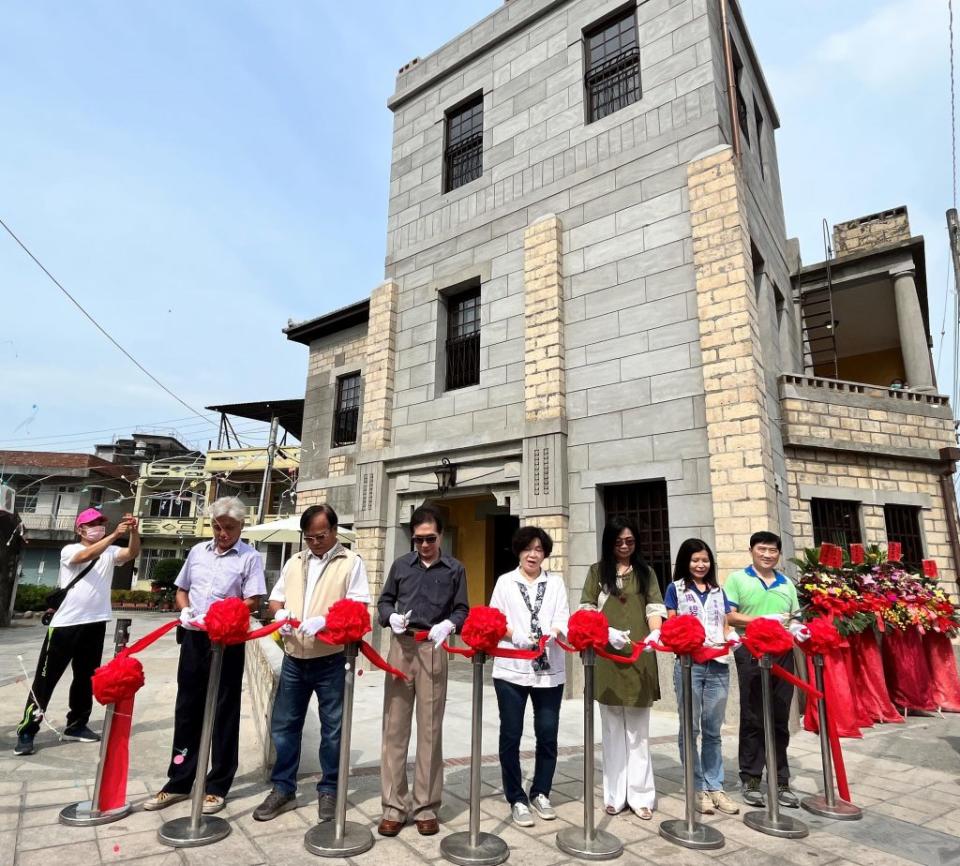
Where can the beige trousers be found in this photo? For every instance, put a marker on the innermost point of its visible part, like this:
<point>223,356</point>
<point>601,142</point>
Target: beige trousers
<point>426,669</point>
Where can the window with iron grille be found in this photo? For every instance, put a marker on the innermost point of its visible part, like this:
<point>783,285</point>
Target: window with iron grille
<point>347,410</point>
<point>742,115</point>
<point>645,504</point>
<point>835,521</point>
<point>463,158</point>
<point>612,80</point>
<point>903,525</point>
<point>463,340</point>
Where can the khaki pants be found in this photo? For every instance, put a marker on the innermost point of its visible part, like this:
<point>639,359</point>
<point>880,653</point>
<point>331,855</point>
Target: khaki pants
<point>426,668</point>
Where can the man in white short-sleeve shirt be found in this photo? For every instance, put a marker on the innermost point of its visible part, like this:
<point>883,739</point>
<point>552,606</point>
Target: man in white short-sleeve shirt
<point>76,632</point>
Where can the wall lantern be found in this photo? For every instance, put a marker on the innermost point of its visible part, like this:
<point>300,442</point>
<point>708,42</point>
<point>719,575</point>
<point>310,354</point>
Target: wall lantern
<point>446,475</point>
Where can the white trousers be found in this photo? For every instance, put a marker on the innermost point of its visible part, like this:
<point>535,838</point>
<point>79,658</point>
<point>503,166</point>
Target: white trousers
<point>627,768</point>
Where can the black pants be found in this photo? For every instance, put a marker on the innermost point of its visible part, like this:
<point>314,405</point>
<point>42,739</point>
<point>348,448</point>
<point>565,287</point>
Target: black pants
<point>512,701</point>
<point>192,673</point>
<point>80,646</point>
<point>752,753</point>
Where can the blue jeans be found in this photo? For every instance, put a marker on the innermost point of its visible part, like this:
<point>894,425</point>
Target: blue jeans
<point>711,684</point>
<point>512,701</point>
<point>300,678</point>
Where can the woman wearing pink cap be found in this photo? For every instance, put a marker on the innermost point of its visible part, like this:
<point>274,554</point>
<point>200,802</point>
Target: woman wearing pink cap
<point>76,631</point>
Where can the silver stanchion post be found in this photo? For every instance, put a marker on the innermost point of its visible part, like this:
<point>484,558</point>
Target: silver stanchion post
<point>474,848</point>
<point>86,813</point>
<point>342,838</point>
<point>199,829</point>
<point>689,832</point>
<point>588,843</point>
<point>772,822</point>
<point>827,804</point>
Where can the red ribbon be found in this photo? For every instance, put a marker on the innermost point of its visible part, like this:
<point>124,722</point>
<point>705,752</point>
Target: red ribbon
<point>621,660</point>
<point>700,656</point>
<point>496,652</point>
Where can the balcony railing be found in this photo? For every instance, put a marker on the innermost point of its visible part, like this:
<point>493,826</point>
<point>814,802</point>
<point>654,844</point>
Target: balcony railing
<point>251,459</point>
<point>175,527</point>
<point>193,469</point>
<point>48,522</point>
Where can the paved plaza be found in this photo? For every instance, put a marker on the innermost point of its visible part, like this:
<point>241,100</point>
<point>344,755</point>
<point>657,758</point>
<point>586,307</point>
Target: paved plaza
<point>907,777</point>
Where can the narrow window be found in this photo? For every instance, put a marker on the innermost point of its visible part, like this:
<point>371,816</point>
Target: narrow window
<point>835,521</point>
<point>903,525</point>
<point>645,505</point>
<point>758,119</point>
<point>463,158</point>
<point>612,79</point>
<point>347,410</point>
<point>463,340</point>
<point>742,116</point>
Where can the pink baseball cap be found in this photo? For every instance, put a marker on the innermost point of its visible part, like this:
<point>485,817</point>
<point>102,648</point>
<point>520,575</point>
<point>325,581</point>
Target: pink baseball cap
<point>88,516</point>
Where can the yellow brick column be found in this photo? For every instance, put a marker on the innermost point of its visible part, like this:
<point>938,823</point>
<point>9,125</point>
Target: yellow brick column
<point>543,368</point>
<point>380,368</point>
<point>738,423</point>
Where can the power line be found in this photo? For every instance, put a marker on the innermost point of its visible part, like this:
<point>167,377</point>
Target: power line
<point>120,427</point>
<point>99,327</point>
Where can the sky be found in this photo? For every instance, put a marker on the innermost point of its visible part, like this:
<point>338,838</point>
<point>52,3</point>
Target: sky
<point>196,174</point>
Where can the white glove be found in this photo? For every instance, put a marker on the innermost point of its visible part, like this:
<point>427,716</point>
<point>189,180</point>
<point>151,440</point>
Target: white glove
<point>440,632</point>
<point>776,617</point>
<point>616,638</point>
<point>799,631</point>
<point>734,638</point>
<point>521,640</point>
<point>400,621</point>
<point>312,625</point>
<point>187,617</point>
<point>652,638</point>
<point>281,616</point>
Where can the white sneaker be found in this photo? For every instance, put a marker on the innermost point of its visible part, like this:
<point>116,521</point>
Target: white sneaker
<point>543,807</point>
<point>522,816</point>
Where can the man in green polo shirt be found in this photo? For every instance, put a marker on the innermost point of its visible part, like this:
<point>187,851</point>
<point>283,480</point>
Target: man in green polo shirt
<point>760,591</point>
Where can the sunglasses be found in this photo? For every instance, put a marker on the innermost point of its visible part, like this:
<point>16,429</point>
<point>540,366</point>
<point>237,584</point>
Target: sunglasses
<point>425,539</point>
<point>624,542</point>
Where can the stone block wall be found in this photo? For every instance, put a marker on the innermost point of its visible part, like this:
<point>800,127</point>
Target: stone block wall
<point>872,231</point>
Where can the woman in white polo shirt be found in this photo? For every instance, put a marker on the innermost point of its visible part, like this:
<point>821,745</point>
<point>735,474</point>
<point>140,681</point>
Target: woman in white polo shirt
<point>535,603</point>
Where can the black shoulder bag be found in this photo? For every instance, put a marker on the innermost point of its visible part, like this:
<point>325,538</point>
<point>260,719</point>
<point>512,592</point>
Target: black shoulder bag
<point>58,596</point>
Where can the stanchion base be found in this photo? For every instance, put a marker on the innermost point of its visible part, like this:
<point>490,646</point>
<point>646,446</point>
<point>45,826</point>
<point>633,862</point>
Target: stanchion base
<point>786,827</point>
<point>841,810</point>
<point>321,840</point>
<point>83,814</point>
<point>178,834</point>
<point>603,846</point>
<point>489,850</point>
<point>702,837</point>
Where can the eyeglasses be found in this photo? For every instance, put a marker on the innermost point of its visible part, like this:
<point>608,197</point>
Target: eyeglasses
<point>767,551</point>
<point>316,539</point>
<point>424,539</point>
<point>624,542</point>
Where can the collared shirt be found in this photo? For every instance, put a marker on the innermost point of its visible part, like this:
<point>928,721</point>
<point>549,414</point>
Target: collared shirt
<point>750,594</point>
<point>433,593</point>
<point>210,575</point>
<point>358,586</point>
<point>554,612</point>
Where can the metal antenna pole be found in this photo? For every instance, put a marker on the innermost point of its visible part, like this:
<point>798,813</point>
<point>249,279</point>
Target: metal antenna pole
<point>689,832</point>
<point>87,813</point>
<point>474,848</point>
<point>588,843</point>
<point>772,822</point>
<point>342,838</point>
<point>827,805</point>
<point>199,829</point>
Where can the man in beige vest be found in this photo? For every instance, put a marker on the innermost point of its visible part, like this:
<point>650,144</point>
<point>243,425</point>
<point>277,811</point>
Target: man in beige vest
<point>310,583</point>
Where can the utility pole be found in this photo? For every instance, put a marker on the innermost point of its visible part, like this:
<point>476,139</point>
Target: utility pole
<point>268,471</point>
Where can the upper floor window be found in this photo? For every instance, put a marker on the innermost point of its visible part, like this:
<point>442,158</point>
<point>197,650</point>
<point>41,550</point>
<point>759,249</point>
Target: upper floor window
<point>463,157</point>
<point>903,525</point>
<point>743,118</point>
<point>26,503</point>
<point>463,340</point>
<point>170,506</point>
<point>758,117</point>
<point>96,497</point>
<point>835,521</point>
<point>347,410</point>
<point>613,65</point>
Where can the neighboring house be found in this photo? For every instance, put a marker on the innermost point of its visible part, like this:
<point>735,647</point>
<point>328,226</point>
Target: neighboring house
<point>173,492</point>
<point>52,488</point>
<point>590,308</point>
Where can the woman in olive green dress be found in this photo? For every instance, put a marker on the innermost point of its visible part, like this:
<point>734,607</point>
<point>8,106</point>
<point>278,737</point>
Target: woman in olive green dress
<point>625,589</point>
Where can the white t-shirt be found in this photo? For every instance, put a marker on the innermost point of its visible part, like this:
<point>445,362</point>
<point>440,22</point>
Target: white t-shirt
<point>89,600</point>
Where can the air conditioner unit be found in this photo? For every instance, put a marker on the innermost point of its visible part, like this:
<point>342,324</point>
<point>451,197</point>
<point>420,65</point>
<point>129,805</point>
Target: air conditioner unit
<point>7,498</point>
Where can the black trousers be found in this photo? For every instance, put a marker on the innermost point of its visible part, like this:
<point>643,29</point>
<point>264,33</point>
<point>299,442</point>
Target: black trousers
<point>192,674</point>
<point>81,647</point>
<point>752,754</point>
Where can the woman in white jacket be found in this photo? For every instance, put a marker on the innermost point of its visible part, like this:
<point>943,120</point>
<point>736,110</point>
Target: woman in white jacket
<point>535,603</point>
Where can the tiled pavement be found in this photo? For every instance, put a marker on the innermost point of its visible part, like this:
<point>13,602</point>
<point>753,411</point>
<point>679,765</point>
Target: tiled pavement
<point>907,778</point>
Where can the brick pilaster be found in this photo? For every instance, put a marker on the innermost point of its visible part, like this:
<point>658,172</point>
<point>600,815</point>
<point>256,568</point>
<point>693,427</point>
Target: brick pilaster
<point>380,368</point>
